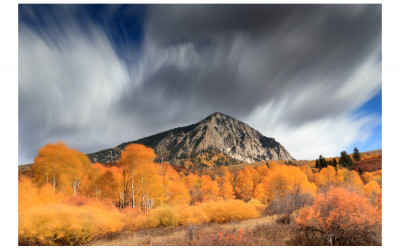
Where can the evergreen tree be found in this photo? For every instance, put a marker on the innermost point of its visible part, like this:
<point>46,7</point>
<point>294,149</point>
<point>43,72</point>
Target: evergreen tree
<point>345,160</point>
<point>356,154</point>
<point>334,163</point>
<point>317,165</point>
<point>322,162</point>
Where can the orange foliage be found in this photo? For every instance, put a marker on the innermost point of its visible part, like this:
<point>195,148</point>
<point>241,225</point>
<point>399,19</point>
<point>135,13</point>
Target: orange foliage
<point>283,180</point>
<point>223,211</point>
<point>349,179</point>
<point>372,176</point>
<point>60,166</point>
<point>46,218</point>
<point>325,177</point>
<point>209,188</point>
<point>342,218</point>
<point>193,184</point>
<point>70,201</point>
<point>31,196</point>
<point>225,186</point>
<point>247,180</point>
<point>142,185</point>
<point>262,171</point>
<point>372,189</point>
<point>307,170</point>
<point>101,182</point>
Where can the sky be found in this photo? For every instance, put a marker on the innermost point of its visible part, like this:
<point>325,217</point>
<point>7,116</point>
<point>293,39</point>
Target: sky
<point>95,76</point>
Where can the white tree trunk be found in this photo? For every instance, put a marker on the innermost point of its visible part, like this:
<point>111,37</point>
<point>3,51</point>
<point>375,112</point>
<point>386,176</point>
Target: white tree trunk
<point>54,183</point>
<point>79,185</point>
<point>74,187</point>
<point>133,195</point>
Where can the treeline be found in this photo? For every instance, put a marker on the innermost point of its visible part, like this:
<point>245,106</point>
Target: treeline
<point>68,200</point>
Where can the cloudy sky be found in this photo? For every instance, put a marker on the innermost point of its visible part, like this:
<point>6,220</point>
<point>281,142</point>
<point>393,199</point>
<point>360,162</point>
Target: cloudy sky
<point>94,76</point>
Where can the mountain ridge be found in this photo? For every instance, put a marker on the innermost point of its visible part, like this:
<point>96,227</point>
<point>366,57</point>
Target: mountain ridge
<point>217,131</point>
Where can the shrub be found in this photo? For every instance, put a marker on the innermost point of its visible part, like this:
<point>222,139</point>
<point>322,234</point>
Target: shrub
<point>342,217</point>
<point>223,211</point>
<point>288,204</point>
<point>257,204</point>
<point>174,216</point>
<point>66,224</point>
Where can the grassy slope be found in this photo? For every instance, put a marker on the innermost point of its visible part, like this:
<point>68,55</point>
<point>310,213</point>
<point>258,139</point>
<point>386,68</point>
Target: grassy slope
<point>261,231</point>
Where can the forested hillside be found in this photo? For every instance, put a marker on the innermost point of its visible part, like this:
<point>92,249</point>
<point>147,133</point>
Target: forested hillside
<point>64,199</point>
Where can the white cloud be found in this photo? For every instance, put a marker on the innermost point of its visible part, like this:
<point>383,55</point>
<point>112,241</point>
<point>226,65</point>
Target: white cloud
<point>330,134</point>
<point>67,84</point>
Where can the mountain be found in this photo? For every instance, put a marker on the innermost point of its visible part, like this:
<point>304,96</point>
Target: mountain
<point>219,132</point>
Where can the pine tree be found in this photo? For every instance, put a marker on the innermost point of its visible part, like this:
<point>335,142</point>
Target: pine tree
<point>345,160</point>
<point>356,154</point>
<point>322,162</point>
<point>317,165</point>
<point>334,163</point>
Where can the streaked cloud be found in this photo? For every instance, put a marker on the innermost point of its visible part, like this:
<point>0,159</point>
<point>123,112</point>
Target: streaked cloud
<point>298,73</point>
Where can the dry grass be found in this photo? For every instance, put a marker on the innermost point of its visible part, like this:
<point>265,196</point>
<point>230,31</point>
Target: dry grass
<point>261,231</point>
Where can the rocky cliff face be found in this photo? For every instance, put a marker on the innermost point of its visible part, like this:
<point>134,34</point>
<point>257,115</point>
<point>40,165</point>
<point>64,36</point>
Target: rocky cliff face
<point>218,131</point>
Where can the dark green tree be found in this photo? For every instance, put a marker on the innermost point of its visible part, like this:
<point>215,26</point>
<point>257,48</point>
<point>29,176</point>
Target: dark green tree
<point>345,160</point>
<point>317,164</point>
<point>334,163</point>
<point>356,154</point>
<point>322,162</point>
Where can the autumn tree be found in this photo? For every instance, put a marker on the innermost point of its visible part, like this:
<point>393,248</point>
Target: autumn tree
<point>348,179</point>
<point>193,184</point>
<point>209,188</point>
<point>62,166</point>
<point>281,181</point>
<point>307,170</point>
<point>372,190</point>
<point>247,179</point>
<point>262,171</point>
<point>93,183</point>
<point>174,190</point>
<point>133,157</point>
<point>142,183</point>
<point>342,218</point>
<point>224,181</point>
<point>325,177</point>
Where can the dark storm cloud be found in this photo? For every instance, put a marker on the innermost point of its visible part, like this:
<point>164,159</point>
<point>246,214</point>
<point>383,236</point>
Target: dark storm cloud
<point>95,75</point>
<point>260,52</point>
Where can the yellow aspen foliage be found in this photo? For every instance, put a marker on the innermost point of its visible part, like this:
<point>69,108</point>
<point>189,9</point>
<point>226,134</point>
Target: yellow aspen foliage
<point>177,193</point>
<point>247,180</point>
<point>349,179</point>
<point>281,181</point>
<point>60,166</point>
<point>209,189</point>
<point>325,177</point>
<point>370,176</point>
<point>372,189</point>
<point>225,186</point>
<point>307,170</point>
<point>193,184</point>
<point>262,171</point>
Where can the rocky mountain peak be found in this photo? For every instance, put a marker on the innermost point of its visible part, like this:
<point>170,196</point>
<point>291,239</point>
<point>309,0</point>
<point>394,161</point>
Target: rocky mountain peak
<point>217,131</point>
